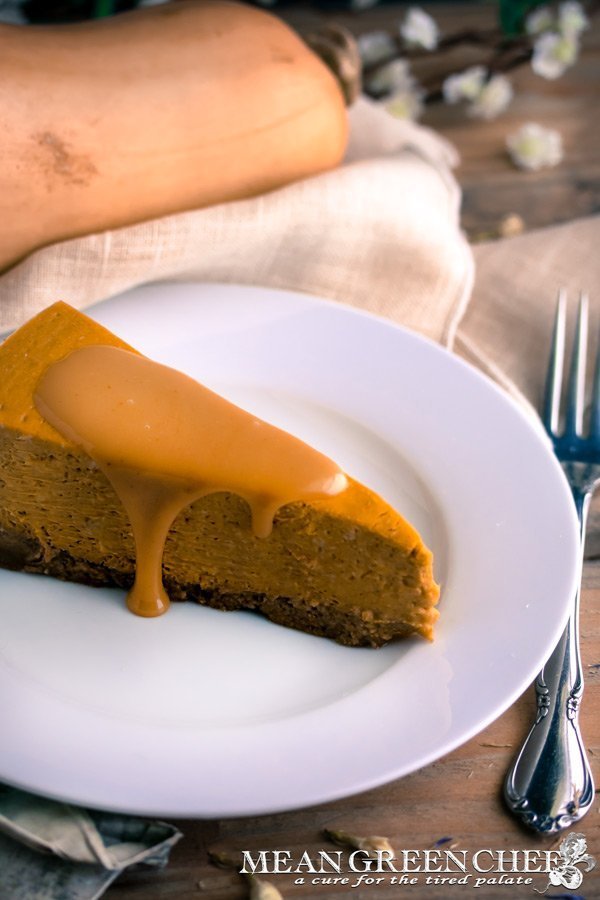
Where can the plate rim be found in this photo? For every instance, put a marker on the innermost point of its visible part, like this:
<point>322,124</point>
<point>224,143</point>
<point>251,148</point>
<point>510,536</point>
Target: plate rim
<point>437,752</point>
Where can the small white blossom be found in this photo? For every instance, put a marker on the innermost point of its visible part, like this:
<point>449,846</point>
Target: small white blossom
<point>492,99</point>
<point>393,76</point>
<point>540,20</point>
<point>553,54</point>
<point>533,147</point>
<point>572,19</point>
<point>406,102</point>
<point>464,85</point>
<point>487,99</point>
<point>419,29</point>
<point>375,46</point>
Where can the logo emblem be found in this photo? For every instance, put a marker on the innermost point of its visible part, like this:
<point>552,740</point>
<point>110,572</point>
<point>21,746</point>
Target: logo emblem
<point>573,852</point>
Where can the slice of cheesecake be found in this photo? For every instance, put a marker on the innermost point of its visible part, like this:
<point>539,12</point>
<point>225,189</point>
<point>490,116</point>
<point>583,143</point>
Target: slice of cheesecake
<point>337,562</point>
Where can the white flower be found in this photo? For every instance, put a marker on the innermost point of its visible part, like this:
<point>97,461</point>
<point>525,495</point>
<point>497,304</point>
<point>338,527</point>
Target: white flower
<point>403,94</point>
<point>391,77</point>
<point>465,85</point>
<point>572,19</point>
<point>533,147</point>
<point>553,54</point>
<point>419,29</point>
<point>540,20</point>
<point>487,99</point>
<point>492,99</point>
<point>406,102</point>
<point>374,46</point>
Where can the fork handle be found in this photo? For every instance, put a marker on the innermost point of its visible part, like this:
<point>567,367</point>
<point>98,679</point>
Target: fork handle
<point>550,784</point>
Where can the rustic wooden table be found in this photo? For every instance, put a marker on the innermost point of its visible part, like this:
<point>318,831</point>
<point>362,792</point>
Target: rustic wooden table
<point>459,797</point>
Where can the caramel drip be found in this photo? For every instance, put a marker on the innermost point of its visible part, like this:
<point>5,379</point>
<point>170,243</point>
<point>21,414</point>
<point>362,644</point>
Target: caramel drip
<point>163,440</point>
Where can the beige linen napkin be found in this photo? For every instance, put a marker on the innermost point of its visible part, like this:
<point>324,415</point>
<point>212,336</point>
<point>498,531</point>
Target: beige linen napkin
<point>381,232</point>
<point>507,327</point>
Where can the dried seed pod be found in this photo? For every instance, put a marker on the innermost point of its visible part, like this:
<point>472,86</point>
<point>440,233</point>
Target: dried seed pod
<point>258,888</point>
<point>225,860</point>
<point>371,845</point>
<point>261,890</point>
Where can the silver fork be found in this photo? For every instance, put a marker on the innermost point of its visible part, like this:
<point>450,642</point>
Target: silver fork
<point>550,785</point>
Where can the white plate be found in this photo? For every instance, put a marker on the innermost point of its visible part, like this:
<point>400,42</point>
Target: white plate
<point>203,713</point>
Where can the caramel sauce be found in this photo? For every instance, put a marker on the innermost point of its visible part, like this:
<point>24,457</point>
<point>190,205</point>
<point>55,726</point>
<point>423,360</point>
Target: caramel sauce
<point>163,440</point>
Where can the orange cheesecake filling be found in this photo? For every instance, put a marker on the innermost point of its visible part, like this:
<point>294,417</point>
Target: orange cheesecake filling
<point>163,440</point>
<point>344,565</point>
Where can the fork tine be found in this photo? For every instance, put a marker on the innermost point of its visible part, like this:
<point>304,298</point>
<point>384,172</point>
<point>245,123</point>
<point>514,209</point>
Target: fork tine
<point>595,408</point>
<point>555,366</point>
<point>576,391</point>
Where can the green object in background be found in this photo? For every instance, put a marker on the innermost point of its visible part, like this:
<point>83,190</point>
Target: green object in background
<point>103,8</point>
<point>513,14</point>
<point>48,12</point>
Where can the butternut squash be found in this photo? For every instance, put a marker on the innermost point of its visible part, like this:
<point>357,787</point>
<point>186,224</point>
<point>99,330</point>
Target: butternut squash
<point>152,112</point>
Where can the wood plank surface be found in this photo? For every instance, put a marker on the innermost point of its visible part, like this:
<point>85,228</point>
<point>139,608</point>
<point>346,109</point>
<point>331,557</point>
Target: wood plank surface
<point>492,186</point>
<point>459,796</point>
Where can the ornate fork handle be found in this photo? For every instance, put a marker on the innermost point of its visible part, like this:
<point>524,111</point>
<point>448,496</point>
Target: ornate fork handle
<point>550,784</point>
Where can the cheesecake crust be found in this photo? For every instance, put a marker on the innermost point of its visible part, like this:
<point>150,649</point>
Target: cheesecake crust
<point>352,627</point>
